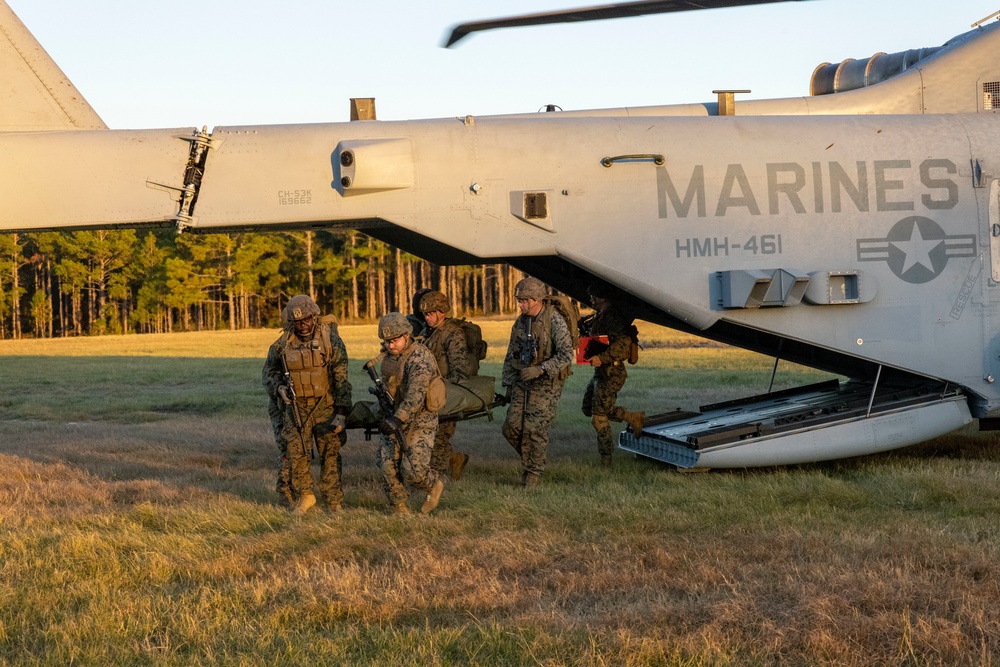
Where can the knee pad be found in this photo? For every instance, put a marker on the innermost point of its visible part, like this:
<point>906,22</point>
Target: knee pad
<point>600,422</point>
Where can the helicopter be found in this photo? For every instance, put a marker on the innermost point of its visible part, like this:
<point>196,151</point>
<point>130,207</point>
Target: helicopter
<point>856,230</point>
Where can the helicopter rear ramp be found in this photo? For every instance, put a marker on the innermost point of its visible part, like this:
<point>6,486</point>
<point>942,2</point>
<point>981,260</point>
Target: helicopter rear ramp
<point>825,421</point>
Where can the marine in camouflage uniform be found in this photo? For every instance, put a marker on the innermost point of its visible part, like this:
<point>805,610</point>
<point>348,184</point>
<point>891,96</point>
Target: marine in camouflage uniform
<point>276,413</point>
<point>316,360</point>
<point>445,338</point>
<point>407,374</point>
<point>609,372</point>
<point>534,372</point>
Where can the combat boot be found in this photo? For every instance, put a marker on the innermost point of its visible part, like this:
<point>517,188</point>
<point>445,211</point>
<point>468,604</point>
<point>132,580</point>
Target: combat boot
<point>306,500</point>
<point>531,480</point>
<point>636,420</point>
<point>457,465</point>
<point>433,498</point>
<point>400,508</point>
<point>605,460</point>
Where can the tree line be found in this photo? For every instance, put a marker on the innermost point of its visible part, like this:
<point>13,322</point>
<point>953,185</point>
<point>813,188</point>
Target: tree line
<point>55,284</point>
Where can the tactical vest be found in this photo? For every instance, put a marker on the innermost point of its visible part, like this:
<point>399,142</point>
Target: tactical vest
<point>307,362</point>
<point>604,323</point>
<point>391,370</point>
<point>541,329</point>
<point>392,376</point>
<point>435,342</point>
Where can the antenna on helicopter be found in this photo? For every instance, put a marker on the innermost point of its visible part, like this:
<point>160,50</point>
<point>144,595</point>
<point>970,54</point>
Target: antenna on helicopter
<point>598,13</point>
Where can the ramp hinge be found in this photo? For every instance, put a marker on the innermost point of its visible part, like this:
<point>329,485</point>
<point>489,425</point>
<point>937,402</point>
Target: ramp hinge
<point>200,143</point>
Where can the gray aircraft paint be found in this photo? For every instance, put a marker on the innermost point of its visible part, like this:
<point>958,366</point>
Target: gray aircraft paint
<point>902,195</point>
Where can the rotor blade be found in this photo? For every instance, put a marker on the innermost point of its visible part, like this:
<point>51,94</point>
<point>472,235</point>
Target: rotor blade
<point>599,13</point>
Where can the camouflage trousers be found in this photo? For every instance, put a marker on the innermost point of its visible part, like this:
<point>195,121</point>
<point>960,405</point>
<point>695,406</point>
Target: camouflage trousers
<point>599,403</point>
<point>316,429</point>
<point>441,456</point>
<point>283,485</point>
<point>411,463</point>
<point>529,414</point>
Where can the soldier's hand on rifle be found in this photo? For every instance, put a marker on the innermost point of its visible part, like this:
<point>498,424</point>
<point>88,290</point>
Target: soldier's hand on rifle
<point>283,392</point>
<point>390,425</point>
<point>531,373</point>
<point>595,361</point>
<point>339,423</point>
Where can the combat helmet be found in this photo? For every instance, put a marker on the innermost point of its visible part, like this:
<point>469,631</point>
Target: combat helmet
<point>417,296</point>
<point>529,288</point>
<point>299,307</point>
<point>434,301</point>
<point>393,325</point>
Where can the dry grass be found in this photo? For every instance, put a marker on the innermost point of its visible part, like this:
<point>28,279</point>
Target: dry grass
<point>150,535</point>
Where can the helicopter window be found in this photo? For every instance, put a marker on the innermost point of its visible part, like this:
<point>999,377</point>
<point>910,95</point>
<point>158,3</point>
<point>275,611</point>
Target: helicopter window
<point>991,95</point>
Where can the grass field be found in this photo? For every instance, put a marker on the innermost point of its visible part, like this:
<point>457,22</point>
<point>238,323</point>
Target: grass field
<point>138,525</point>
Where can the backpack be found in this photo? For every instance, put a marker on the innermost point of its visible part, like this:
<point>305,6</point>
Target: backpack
<point>566,307</point>
<point>330,321</point>
<point>473,341</point>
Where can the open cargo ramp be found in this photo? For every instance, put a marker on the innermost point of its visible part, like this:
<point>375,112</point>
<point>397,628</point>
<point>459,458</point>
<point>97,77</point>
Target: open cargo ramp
<point>824,421</point>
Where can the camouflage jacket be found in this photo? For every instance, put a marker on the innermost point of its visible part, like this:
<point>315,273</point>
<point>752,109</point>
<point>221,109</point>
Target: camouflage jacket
<point>410,394</point>
<point>334,359</point>
<point>554,354</point>
<point>615,326</point>
<point>447,344</point>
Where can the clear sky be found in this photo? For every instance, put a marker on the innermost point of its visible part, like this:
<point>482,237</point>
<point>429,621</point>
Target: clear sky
<point>188,63</point>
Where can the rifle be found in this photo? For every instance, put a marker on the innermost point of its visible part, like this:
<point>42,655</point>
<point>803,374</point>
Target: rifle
<point>530,348</point>
<point>295,406</point>
<point>528,353</point>
<point>381,392</point>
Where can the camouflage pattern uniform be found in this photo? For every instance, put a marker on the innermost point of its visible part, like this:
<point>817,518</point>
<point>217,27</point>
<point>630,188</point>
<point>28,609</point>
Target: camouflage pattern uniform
<point>609,378</point>
<point>533,404</point>
<point>320,395</point>
<point>276,414</point>
<point>448,345</point>
<point>411,463</point>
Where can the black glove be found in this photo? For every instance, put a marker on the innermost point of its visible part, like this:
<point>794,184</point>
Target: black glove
<point>390,425</point>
